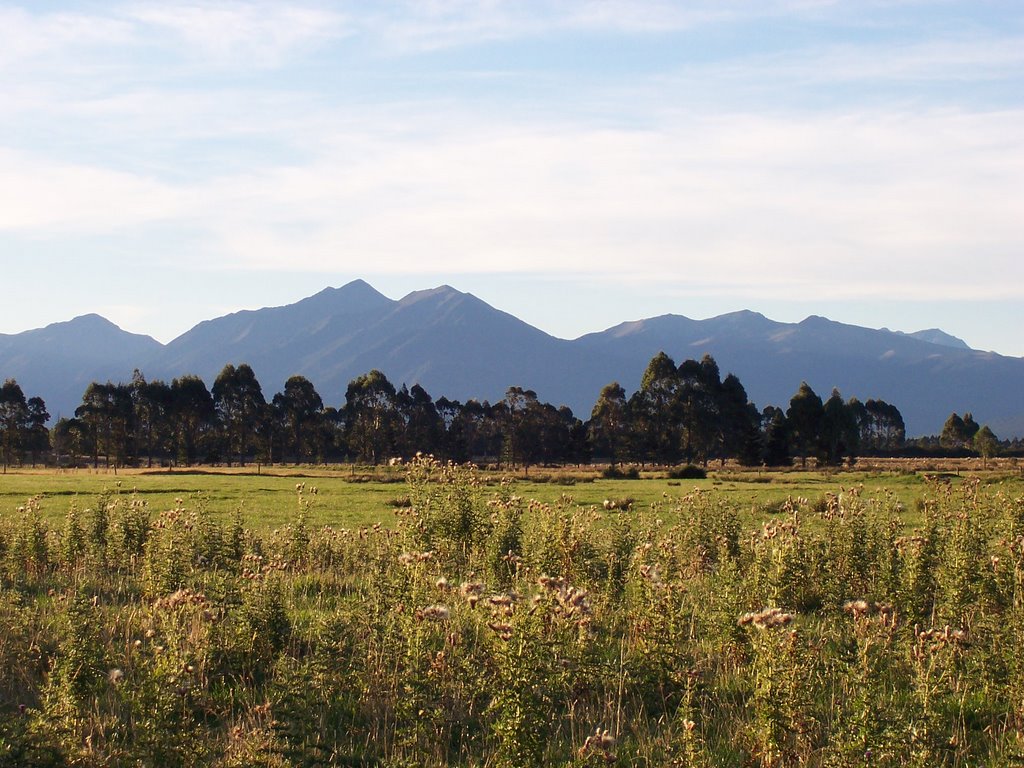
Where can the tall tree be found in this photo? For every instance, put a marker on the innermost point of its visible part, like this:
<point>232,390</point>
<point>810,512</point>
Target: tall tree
<point>775,437</point>
<point>152,403</point>
<point>372,420</point>
<point>954,432</point>
<point>37,436</point>
<point>654,411</point>
<point>881,427</point>
<point>107,413</point>
<point>193,415</point>
<point>577,447</point>
<point>300,408</point>
<point>971,427</point>
<point>840,432</point>
<point>238,399</point>
<point>804,417</point>
<point>739,421</point>
<point>424,429</point>
<point>14,420</point>
<point>477,431</point>
<point>985,443</point>
<point>521,430</point>
<point>69,441</point>
<point>609,422</point>
<point>697,406</point>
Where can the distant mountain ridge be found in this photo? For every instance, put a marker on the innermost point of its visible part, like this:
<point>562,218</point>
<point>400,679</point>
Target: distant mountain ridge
<point>456,345</point>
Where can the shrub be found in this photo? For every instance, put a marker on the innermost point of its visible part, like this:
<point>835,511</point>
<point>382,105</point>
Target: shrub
<point>618,473</point>
<point>689,472</point>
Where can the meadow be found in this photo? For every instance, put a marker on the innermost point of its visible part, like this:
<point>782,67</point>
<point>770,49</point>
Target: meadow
<point>363,495</point>
<point>437,615</point>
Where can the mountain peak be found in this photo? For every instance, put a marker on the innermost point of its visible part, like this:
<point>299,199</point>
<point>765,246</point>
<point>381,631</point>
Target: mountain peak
<point>88,320</point>
<point>940,337</point>
<point>442,294</point>
<point>358,287</point>
<point>456,345</point>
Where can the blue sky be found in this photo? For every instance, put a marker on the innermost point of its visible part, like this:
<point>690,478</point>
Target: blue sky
<point>574,163</point>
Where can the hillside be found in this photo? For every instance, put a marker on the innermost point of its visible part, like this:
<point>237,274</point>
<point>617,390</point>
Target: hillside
<point>456,345</point>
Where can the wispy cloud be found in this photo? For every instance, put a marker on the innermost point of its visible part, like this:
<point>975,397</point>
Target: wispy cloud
<point>260,34</point>
<point>57,37</point>
<point>838,203</point>
<point>372,137</point>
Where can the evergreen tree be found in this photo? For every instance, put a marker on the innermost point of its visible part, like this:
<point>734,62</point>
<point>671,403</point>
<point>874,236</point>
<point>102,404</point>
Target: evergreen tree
<point>775,437</point>
<point>239,402</point>
<point>804,417</point>
<point>609,423</point>
<point>14,421</point>
<point>299,407</point>
<point>193,414</point>
<point>372,420</point>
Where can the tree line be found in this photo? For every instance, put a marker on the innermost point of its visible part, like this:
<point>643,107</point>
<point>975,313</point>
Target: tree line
<point>680,413</point>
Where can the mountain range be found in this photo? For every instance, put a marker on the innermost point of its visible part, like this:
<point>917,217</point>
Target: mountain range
<point>456,345</point>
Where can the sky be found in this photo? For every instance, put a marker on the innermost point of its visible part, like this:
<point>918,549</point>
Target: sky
<point>575,163</point>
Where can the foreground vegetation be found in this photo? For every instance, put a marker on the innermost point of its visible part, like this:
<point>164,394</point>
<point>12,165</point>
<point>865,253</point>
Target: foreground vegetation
<point>481,628</point>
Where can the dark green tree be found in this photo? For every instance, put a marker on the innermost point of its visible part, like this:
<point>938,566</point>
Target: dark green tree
<point>697,406</point>
<point>609,423</point>
<point>152,404</point>
<point>577,449</point>
<point>193,415</point>
<point>654,412</point>
<point>804,418</point>
<point>107,414</point>
<point>37,436</point>
<point>955,433</point>
<point>239,402</point>
<point>971,427</point>
<point>300,409</point>
<point>14,422</point>
<point>372,420</point>
<point>881,427</point>
<point>424,429</point>
<point>985,443</point>
<point>455,442</point>
<point>69,441</point>
<point>775,437</point>
<point>521,427</point>
<point>840,432</point>
<point>738,429</point>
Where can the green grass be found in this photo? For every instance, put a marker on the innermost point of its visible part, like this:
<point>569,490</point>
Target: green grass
<point>267,500</point>
<point>353,497</point>
<point>479,629</point>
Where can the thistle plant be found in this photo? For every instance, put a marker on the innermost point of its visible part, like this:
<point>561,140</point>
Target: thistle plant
<point>477,628</point>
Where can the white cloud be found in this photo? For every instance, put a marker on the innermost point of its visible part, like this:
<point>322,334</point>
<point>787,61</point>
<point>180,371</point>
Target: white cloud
<point>57,38</point>
<point>958,59</point>
<point>40,198</point>
<point>844,203</point>
<point>261,34</point>
<point>847,205</point>
<point>853,202</point>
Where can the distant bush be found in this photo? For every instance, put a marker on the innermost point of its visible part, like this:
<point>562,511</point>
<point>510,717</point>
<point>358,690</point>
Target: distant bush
<point>616,473</point>
<point>689,472</point>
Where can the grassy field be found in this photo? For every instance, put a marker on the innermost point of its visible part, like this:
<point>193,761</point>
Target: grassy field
<point>360,496</point>
<point>869,618</point>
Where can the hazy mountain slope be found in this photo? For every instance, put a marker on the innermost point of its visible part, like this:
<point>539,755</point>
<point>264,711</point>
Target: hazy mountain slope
<point>456,345</point>
<point>273,338</point>
<point>59,361</point>
<point>927,381</point>
<point>936,336</point>
<point>450,342</point>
